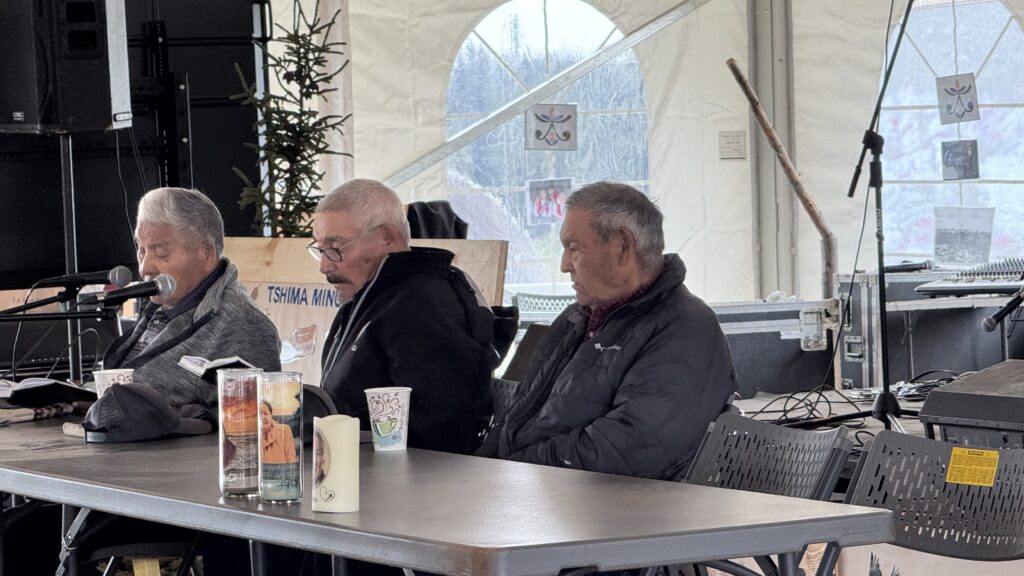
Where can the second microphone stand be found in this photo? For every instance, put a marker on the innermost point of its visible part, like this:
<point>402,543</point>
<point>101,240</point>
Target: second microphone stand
<point>16,314</point>
<point>886,407</point>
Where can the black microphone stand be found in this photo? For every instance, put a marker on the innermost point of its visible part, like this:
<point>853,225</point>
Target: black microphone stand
<point>886,407</point>
<point>102,313</point>
<point>65,295</point>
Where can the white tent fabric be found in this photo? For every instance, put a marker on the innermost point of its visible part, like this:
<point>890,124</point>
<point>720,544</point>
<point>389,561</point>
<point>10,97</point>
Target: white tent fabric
<point>401,59</point>
<point>839,52</point>
<point>336,169</point>
<point>402,52</point>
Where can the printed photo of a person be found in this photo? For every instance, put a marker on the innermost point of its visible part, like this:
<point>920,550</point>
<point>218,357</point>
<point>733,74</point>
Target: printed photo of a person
<point>960,160</point>
<point>277,442</point>
<point>547,200</point>
<point>321,459</point>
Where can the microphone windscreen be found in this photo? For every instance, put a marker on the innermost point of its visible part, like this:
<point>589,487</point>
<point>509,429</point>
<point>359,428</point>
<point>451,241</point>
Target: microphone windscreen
<point>989,324</point>
<point>120,276</point>
<point>166,284</point>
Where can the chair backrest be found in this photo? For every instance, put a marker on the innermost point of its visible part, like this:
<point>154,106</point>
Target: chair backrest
<point>523,355</point>
<point>503,392</point>
<point>746,454</point>
<point>540,307</point>
<point>316,403</point>
<point>910,476</point>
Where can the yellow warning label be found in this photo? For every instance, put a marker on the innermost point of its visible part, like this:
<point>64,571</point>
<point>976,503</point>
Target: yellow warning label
<point>973,466</point>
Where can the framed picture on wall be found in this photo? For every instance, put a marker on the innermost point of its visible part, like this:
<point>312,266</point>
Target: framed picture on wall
<point>960,160</point>
<point>546,200</point>
<point>550,127</point>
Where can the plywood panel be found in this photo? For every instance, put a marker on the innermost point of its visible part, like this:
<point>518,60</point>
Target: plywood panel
<point>12,298</point>
<point>261,260</point>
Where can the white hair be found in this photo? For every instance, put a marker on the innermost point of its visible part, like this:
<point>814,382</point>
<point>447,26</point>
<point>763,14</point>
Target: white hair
<point>371,203</point>
<point>187,211</point>
<point>614,206</point>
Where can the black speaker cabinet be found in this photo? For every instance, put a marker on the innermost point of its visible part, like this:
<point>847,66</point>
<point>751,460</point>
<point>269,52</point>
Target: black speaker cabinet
<point>64,65</point>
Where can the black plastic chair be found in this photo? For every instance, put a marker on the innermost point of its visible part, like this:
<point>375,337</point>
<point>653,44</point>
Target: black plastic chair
<point>911,476</point>
<point>744,454</point>
<point>504,394</point>
<point>186,550</point>
<point>114,538</point>
<point>540,307</point>
<point>316,403</point>
<point>523,355</point>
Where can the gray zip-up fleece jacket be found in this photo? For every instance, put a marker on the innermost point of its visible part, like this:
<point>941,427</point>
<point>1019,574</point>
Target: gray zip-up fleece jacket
<point>224,323</point>
<point>636,398</point>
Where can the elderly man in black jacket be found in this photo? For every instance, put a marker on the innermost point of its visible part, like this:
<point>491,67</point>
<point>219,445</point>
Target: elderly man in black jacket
<point>410,318</point>
<point>627,380</point>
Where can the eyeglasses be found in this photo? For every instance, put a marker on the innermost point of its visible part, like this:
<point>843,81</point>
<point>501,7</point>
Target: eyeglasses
<point>333,254</point>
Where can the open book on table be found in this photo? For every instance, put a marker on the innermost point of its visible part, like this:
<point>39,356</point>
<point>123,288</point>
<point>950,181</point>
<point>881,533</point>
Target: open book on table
<point>38,392</point>
<point>208,368</point>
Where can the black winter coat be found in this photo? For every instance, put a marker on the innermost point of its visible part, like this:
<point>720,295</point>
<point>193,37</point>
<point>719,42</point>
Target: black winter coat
<point>416,323</point>
<point>636,398</point>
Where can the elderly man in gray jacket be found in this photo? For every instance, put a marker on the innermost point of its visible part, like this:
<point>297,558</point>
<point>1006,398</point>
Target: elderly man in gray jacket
<point>626,380</point>
<point>180,233</point>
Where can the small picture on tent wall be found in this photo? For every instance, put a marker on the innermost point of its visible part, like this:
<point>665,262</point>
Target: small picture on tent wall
<point>958,98</point>
<point>551,127</point>
<point>963,235</point>
<point>960,160</point>
<point>546,200</point>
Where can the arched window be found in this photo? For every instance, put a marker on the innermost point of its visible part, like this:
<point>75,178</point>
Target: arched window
<point>513,49</point>
<point>945,38</point>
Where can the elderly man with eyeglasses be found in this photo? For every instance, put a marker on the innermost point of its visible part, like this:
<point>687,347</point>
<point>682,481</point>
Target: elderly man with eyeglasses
<point>409,318</point>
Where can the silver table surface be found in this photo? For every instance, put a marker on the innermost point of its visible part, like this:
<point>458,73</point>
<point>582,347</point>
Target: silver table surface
<point>438,512</point>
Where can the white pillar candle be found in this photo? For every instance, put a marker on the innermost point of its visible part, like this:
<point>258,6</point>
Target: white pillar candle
<point>336,464</point>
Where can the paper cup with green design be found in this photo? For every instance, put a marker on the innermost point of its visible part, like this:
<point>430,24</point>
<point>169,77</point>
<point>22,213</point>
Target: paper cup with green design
<point>389,417</point>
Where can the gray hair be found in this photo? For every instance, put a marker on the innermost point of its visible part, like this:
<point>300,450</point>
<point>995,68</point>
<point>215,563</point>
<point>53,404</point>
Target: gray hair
<point>186,211</point>
<point>371,203</point>
<point>614,206</point>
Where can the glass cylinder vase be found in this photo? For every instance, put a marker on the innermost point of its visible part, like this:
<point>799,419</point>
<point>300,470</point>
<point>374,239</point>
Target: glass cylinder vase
<point>280,436</point>
<point>238,407</point>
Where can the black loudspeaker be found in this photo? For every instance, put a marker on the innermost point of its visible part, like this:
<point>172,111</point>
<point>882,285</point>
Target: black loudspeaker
<point>64,66</point>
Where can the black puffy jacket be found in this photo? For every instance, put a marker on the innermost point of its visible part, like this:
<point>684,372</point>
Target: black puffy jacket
<point>416,323</point>
<point>636,398</point>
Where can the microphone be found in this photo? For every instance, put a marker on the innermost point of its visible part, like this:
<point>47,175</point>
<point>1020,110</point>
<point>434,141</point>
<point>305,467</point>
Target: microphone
<point>909,266</point>
<point>990,322</point>
<point>118,276</point>
<point>162,285</point>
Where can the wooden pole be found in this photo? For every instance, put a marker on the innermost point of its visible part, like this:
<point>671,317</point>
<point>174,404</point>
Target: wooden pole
<point>828,240</point>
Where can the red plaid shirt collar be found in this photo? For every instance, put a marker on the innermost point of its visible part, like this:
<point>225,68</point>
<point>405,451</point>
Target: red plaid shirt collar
<point>600,314</point>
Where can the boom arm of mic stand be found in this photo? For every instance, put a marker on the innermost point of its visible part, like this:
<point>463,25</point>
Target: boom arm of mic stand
<point>857,171</point>
<point>63,296</point>
<point>101,314</point>
<point>878,103</point>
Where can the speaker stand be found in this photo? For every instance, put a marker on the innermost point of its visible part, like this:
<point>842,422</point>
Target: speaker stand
<point>70,250</point>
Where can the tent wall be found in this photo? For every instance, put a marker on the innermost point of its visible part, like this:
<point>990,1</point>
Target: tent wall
<point>838,52</point>
<point>401,59</point>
